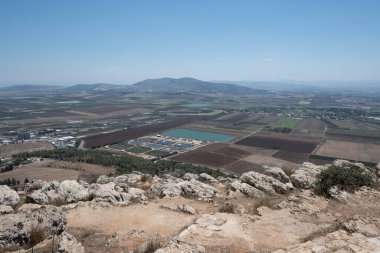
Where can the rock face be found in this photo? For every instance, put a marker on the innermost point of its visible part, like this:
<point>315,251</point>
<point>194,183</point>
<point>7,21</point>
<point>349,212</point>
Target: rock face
<point>176,246</point>
<point>15,228</point>
<point>246,189</point>
<point>264,183</point>
<point>5,210</point>
<point>339,241</point>
<point>109,192</point>
<point>305,176</point>
<point>68,243</point>
<point>73,192</point>
<point>8,197</point>
<point>185,188</point>
<point>181,208</point>
<point>207,178</point>
<point>276,173</point>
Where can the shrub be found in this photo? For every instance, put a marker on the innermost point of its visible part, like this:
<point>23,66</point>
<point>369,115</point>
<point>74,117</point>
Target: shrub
<point>227,208</point>
<point>347,179</point>
<point>36,236</point>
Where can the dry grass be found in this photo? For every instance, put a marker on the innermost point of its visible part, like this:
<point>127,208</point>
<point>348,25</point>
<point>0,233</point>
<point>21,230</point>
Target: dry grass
<point>227,208</point>
<point>323,231</point>
<point>269,202</point>
<point>148,247</point>
<point>36,235</point>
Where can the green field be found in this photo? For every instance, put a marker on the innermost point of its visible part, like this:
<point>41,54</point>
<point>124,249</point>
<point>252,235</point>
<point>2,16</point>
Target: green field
<point>138,149</point>
<point>254,128</point>
<point>288,123</point>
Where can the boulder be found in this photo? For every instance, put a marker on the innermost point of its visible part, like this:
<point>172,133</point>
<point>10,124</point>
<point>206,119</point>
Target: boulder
<point>180,208</point>
<point>276,173</point>
<point>33,185</point>
<point>246,189</point>
<point>198,189</point>
<point>109,192</point>
<point>5,209</point>
<point>73,192</point>
<point>15,227</point>
<point>190,176</point>
<point>207,178</point>
<point>137,194</point>
<point>305,176</point>
<point>176,246</point>
<point>69,244</point>
<point>8,197</point>
<point>264,183</point>
<point>166,190</point>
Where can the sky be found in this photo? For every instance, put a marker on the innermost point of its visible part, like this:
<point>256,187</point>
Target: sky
<point>124,41</point>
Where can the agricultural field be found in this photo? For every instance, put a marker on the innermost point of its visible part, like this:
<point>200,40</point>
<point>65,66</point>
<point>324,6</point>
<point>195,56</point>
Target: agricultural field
<point>352,150</point>
<point>6,151</point>
<point>217,155</point>
<point>132,133</point>
<point>254,128</point>
<point>279,142</point>
<point>285,122</point>
<point>50,170</point>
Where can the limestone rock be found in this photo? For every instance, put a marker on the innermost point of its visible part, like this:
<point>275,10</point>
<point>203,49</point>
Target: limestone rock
<point>180,208</point>
<point>33,185</point>
<point>198,189</point>
<point>8,197</point>
<point>109,192</point>
<point>166,190</point>
<point>305,176</point>
<point>207,178</point>
<point>190,176</point>
<point>15,227</point>
<point>246,189</point>
<point>73,192</point>
<point>364,225</point>
<point>69,244</point>
<point>264,183</point>
<point>277,173</point>
<point>137,194</point>
<point>5,209</point>
<point>176,246</point>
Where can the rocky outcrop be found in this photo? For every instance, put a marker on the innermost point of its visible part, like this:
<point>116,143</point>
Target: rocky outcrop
<point>364,225</point>
<point>137,194</point>
<point>176,246</point>
<point>305,176</point>
<point>264,183</point>
<point>69,244</point>
<point>167,189</point>
<point>109,192</point>
<point>204,177</point>
<point>246,189</point>
<point>190,176</point>
<point>73,192</point>
<point>8,197</point>
<point>15,228</point>
<point>5,210</point>
<point>185,188</point>
<point>181,208</point>
<point>276,173</point>
<point>338,241</point>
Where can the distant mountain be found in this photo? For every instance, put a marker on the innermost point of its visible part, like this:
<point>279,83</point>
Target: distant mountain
<point>190,85</point>
<point>29,87</point>
<point>94,87</point>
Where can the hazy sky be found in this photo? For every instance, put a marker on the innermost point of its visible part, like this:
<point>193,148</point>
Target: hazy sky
<point>75,41</point>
